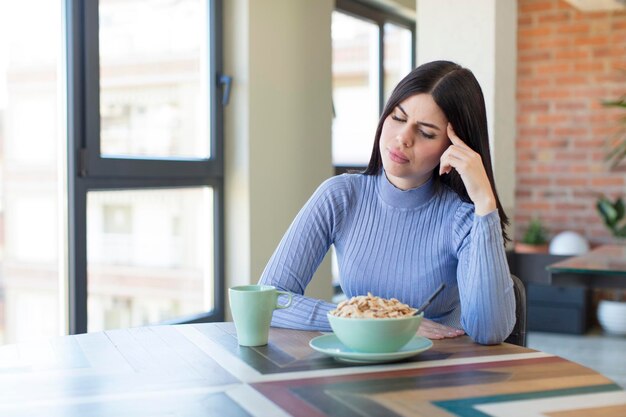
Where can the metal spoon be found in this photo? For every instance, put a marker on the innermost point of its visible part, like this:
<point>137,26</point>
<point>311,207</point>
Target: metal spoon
<point>430,300</point>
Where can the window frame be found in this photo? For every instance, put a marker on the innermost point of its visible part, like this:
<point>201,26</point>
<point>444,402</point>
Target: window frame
<point>380,17</point>
<point>89,171</point>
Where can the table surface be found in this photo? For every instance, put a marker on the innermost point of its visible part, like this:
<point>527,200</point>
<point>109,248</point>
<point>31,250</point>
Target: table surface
<point>199,370</point>
<point>604,260</point>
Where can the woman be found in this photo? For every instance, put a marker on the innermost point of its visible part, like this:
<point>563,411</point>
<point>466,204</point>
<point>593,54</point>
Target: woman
<point>425,211</point>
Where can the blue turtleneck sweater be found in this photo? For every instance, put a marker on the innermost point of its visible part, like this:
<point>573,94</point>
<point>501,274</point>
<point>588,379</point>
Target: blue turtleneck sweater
<point>401,244</point>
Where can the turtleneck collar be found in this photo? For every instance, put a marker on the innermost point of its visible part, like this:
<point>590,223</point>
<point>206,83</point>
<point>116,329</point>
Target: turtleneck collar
<point>405,199</point>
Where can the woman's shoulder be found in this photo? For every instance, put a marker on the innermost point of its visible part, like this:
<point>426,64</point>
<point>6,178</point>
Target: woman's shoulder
<point>345,183</point>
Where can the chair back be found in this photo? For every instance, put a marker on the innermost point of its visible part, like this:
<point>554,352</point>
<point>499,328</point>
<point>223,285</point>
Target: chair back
<point>518,335</point>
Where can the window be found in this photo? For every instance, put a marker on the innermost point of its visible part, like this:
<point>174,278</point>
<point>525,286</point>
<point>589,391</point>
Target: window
<point>147,186</point>
<point>111,178</point>
<point>372,51</point>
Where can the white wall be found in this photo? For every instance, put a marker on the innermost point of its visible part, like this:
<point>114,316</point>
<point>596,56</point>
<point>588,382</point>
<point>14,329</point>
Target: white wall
<point>277,126</point>
<point>482,36</point>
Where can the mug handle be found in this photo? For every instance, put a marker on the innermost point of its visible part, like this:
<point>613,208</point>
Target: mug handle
<point>288,294</point>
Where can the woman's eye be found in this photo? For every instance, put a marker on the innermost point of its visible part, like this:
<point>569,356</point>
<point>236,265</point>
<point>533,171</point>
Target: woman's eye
<point>427,135</point>
<point>397,119</point>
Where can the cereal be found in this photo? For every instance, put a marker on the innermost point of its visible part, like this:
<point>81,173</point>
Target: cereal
<point>372,307</point>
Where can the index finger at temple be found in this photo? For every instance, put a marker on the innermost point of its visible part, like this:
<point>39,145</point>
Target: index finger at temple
<point>454,137</point>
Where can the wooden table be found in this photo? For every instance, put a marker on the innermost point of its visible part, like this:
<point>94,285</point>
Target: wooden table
<point>603,267</point>
<point>199,370</point>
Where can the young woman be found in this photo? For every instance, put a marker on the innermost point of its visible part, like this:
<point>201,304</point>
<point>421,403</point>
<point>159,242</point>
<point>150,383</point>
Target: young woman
<point>424,212</point>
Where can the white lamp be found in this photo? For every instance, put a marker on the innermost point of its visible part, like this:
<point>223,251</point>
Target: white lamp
<point>568,243</point>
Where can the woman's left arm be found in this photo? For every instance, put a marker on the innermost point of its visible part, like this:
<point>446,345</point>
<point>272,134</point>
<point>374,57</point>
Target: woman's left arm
<point>485,285</point>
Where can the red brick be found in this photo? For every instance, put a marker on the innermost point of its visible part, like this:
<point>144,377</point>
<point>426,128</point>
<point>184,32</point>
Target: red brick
<point>609,78</point>
<point>550,169</point>
<point>524,44</point>
<point>607,181</point>
<point>570,105</point>
<point>526,20</point>
<point>571,131</point>
<point>535,206</point>
<point>591,40</point>
<point>573,156</point>
<point>540,6</point>
<point>534,181</point>
<point>593,93</point>
<point>535,32</point>
<point>534,56</point>
<point>534,131</point>
<point>570,206</point>
<point>589,143</point>
<point>618,38</point>
<point>541,106</point>
<point>572,54</point>
<point>552,118</point>
<point>555,93</point>
<point>533,83</point>
<point>575,182</point>
<point>555,17</point>
<point>571,79</point>
<point>551,143</point>
<point>618,65</point>
<point>573,28</point>
<point>523,144</point>
<point>553,68</point>
<point>618,25</point>
<point>588,66</point>
<point>608,52</point>
<point>560,42</point>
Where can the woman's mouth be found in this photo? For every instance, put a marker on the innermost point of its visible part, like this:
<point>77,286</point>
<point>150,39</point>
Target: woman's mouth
<point>397,157</point>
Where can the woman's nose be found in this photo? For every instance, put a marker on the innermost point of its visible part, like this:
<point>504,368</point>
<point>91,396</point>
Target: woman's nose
<point>405,138</point>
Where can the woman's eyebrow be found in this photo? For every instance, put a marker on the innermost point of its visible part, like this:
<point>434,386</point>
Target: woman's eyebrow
<point>419,123</point>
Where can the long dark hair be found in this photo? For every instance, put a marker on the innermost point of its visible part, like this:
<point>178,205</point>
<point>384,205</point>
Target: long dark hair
<point>457,92</point>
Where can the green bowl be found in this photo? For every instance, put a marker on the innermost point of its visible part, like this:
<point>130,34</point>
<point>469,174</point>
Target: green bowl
<point>375,335</point>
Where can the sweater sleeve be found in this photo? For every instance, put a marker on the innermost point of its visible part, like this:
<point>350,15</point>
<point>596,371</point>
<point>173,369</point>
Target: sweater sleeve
<point>485,286</point>
<point>300,253</point>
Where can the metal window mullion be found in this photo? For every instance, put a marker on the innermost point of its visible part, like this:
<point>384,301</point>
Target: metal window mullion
<point>77,283</point>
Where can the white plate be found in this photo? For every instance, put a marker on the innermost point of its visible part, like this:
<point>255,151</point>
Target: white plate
<point>330,345</point>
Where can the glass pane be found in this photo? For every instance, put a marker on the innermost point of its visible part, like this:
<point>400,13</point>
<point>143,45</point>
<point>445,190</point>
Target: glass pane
<point>355,88</point>
<point>154,94</point>
<point>32,147</point>
<point>397,60</point>
<point>149,256</point>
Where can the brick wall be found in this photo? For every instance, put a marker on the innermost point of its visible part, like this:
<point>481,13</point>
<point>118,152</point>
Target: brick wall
<point>568,62</point>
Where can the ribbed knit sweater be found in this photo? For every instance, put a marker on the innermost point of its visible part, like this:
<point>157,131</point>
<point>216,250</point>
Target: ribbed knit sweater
<point>400,244</point>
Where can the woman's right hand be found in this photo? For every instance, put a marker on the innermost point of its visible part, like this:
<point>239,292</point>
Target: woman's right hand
<point>433,330</point>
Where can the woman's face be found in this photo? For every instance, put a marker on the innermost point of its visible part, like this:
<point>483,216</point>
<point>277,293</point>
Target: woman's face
<point>412,140</point>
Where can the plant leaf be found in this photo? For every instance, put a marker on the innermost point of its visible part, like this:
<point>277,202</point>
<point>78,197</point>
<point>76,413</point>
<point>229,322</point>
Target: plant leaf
<point>607,211</point>
<point>621,232</point>
<point>619,208</point>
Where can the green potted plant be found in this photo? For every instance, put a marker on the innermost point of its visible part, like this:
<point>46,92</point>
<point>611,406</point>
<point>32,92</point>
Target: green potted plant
<point>535,239</point>
<point>613,215</point>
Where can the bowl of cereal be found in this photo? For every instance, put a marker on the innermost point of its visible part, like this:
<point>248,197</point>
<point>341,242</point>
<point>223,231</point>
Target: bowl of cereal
<point>374,325</point>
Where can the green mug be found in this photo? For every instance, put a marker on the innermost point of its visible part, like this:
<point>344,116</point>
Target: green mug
<point>252,307</point>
